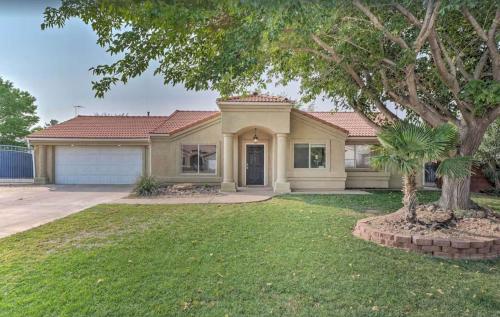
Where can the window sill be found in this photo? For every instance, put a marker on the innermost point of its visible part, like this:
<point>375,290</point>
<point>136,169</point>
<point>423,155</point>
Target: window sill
<point>360,169</point>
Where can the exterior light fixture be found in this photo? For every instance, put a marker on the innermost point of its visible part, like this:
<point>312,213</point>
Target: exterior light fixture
<point>255,138</point>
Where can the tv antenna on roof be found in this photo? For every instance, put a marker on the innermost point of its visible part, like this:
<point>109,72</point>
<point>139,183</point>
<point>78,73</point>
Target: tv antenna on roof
<point>77,109</point>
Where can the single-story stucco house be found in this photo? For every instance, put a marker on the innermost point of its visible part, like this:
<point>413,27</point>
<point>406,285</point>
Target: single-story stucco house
<point>255,140</point>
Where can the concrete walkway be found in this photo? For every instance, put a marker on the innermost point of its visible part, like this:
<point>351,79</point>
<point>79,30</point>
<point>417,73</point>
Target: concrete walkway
<point>243,195</point>
<point>26,206</point>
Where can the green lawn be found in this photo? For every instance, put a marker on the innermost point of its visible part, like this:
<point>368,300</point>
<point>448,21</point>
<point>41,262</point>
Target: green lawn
<point>293,255</point>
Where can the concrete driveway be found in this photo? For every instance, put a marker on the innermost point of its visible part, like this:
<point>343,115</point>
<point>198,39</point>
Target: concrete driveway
<point>25,207</point>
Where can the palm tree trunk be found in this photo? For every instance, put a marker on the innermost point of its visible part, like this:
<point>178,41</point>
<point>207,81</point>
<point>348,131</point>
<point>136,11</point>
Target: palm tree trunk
<point>410,197</point>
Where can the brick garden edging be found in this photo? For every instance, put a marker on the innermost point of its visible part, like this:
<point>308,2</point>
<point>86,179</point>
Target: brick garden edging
<point>488,248</point>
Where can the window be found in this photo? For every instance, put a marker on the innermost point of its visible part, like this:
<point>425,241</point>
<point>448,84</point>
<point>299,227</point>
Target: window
<point>309,155</point>
<point>199,159</point>
<point>357,156</point>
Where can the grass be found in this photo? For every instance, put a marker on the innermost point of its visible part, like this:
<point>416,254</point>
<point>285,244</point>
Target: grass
<point>293,255</point>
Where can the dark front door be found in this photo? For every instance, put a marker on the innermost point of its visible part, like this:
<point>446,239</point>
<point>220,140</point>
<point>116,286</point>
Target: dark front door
<point>255,164</point>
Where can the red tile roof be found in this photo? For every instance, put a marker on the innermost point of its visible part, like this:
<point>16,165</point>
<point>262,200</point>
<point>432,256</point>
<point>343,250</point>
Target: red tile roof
<point>103,127</point>
<point>308,114</point>
<point>181,120</point>
<point>350,121</point>
<point>141,127</point>
<point>256,98</point>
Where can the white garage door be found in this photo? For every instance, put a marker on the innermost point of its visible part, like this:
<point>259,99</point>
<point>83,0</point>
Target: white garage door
<point>98,164</point>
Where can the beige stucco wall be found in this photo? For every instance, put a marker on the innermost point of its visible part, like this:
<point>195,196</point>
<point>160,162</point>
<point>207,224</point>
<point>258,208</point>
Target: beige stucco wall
<point>235,117</point>
<point>367,178</point>
<point>166,154</point>
<point>306,130</point>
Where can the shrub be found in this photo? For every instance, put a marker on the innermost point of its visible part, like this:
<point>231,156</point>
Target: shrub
<point>147,186</point>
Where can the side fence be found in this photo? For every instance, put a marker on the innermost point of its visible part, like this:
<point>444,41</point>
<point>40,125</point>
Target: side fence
<point>16,164</point>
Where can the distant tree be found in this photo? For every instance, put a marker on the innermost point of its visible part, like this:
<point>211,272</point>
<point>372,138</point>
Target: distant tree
<point>17,114</point>
<point>488,154</point>
<point>51,123</point>
<point>311,107</point>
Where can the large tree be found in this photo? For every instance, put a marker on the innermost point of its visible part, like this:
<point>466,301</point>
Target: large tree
<point>17,114</point>
<point>439,61</point>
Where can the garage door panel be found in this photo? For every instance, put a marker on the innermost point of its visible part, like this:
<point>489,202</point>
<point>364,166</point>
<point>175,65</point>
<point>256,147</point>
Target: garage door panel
<point>98,165</point>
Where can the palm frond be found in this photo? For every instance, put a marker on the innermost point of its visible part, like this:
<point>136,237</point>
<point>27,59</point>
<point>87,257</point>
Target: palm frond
<point>457,167</point>
<point>406,146</point>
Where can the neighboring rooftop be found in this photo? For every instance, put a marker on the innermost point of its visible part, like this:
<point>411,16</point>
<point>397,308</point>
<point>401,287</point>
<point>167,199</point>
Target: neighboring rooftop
<point>141,127</point>
<point>256,97</point>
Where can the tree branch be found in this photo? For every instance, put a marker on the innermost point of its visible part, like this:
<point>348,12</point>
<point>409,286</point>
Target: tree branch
<point>359,110</point>
<point>355,77</point>
<point>413,20</point>
<point>461,68</point>
<point>472,20</point>
<point>478,71</point>
<point>427,113</point>
<point>430,17</point>
<point>488,38</point>
<point>378,25</point>
<point>448,78</point>
<point>495,113</point>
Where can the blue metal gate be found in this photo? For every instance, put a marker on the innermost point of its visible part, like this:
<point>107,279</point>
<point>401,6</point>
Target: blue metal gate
<point>16,164</point>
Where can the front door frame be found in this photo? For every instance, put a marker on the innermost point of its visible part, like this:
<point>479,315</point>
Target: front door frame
<point>244,167</point>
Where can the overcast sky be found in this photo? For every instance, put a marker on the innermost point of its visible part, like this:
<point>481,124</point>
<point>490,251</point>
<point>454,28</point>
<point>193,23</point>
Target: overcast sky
<point>53,66</point>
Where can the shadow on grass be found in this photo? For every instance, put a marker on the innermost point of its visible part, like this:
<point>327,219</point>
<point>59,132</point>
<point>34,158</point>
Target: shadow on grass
<point>380,201</point>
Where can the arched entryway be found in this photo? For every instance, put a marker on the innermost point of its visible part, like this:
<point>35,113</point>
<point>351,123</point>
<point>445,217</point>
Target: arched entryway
<point>255,153</point>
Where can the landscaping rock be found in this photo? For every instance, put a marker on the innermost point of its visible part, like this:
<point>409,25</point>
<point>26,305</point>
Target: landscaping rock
<point>188,189</point>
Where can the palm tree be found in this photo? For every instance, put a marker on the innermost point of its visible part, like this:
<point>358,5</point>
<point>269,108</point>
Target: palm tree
<point>405,147</point>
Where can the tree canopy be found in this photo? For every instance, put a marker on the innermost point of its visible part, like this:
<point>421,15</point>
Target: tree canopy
<point>17,114</point>
<point>435,59</point>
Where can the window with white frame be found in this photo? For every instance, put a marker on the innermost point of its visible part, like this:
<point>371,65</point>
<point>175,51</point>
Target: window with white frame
<point>199,159</point>
<point>357,156</point>
<point>307,155</point>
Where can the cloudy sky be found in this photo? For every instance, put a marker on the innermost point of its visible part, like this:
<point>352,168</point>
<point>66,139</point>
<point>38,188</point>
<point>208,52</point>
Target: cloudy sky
<point>53,65</point>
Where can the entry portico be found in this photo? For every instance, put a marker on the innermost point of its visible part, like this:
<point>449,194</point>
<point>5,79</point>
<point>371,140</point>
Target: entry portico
<point>269,122</point>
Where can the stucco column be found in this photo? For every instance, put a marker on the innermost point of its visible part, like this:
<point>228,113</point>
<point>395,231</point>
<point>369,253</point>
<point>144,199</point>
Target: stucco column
<point>147,160</point>
<point>228,184</point>
<point>41,167</point>
<point>282,185</point>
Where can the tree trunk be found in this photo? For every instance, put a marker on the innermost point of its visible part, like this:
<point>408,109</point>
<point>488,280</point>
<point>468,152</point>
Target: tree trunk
<point>455,193</point>
<point>410,197</point>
